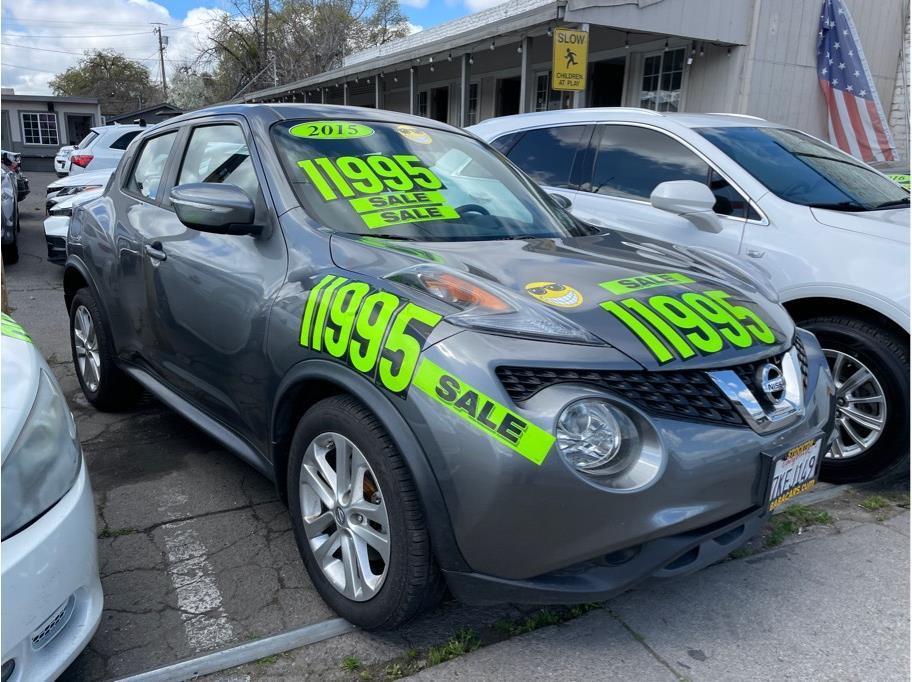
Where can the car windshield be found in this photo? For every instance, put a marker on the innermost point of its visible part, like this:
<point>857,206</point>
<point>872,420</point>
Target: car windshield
<point>800,169</point>
<point>411,182</point>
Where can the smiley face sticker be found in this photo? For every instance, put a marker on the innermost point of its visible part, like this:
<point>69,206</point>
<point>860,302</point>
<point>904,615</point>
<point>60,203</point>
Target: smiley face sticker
<point>552,293</point>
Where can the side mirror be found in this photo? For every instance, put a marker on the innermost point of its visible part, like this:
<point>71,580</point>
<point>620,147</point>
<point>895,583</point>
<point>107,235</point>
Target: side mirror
<point>214,207</point>
<point>688,199</point>
<point>560,200</point>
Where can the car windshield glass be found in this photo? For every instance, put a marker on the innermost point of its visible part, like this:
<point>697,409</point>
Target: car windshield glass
<point>411,182</point>
<point>802,170</point>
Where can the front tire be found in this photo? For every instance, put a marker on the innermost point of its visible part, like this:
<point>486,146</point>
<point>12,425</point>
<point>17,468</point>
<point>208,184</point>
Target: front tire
<point>357,518</point>
<point>870,366</point>
<point>103,383</point>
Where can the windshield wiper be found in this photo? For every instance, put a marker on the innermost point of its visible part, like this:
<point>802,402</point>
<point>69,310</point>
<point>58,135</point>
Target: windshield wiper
<point>891,204</point>
<point>398,237</point>
<point>849,206</point>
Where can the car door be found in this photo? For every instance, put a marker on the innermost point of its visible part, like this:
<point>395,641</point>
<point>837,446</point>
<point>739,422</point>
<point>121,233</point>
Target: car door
<point>213,292</point>
<point>625,165</point>
<point>139,218</point>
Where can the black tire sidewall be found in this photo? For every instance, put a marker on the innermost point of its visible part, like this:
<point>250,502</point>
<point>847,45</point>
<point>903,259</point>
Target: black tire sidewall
<point>892,372</point>
<point>388,607</point>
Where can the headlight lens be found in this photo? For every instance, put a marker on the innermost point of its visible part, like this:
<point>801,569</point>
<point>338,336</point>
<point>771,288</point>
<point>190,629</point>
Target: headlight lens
<point>44,460</point>
<point>61,211</point>
<point>597,439</point>
<point>487,306</point>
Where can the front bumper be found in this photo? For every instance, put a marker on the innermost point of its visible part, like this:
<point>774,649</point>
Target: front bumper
<point>544,533</point>
<point>55,233</point>
<point>52,596</point>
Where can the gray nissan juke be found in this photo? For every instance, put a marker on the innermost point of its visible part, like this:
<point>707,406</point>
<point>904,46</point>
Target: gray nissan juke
<point>452,381</point>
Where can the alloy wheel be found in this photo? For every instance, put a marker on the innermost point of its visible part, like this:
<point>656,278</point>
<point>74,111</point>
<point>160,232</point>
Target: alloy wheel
<point>345,516</point>
<point>85,339</point>
<point>861,406</point>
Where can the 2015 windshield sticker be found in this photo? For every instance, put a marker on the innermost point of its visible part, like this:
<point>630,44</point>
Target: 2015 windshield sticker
<point>483,412</point>
<point>9,327</point>
<point>331,130</point>
<point>690,324</point>
<point>382,190</point>
<point>627,285</point>
<point>375,332</point>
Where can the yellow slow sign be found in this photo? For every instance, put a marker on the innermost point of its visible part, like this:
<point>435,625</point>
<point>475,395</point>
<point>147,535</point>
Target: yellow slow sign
<point>570,59</point>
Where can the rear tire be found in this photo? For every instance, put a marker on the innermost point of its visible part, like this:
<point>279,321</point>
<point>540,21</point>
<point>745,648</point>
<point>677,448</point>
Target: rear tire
<point>410,582</point>
<point>853,345</point>
<point>11,251</point>
<point>103,383</point>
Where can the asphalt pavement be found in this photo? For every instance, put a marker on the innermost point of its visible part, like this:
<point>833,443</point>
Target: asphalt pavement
<point>197,554</point>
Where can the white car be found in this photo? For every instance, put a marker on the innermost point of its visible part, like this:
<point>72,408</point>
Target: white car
<point>57,224</point>
<point>102,147</point>
<point>51,593</point>
<point>62,160</point>
<point>831,232</point>
<point>76,184</point>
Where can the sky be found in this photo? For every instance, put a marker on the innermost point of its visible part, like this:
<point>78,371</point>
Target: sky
<point>40,38</point>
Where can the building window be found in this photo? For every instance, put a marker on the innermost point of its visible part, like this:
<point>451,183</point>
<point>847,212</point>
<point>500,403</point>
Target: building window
<point>662,77</point>
<point>423,103</point>
<point>39,128</point>
<point>472,109</point>
<point>547,99</point>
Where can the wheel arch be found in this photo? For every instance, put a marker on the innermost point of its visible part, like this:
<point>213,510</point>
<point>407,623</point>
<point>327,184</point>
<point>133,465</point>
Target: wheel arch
<point>313,380</point>
<point>814,306</point>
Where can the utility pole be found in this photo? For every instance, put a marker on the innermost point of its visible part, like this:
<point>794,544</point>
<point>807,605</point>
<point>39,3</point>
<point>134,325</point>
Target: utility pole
<point>162,42</point>
<point>275,78</point>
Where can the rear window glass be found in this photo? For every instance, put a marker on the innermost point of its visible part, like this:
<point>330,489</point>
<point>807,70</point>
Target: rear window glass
<point>87,140</point>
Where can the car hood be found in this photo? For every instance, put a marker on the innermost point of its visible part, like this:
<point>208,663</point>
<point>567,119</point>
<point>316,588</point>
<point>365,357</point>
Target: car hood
<point>583,265</point>
<point>20,365</point>
<point>99,177</point>
<point>889,224</point>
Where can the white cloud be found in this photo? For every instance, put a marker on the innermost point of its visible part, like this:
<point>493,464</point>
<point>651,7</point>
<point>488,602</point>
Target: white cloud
<point>478,5</point>
<point>414,28</point>
<point>420,4</point>
<point>68,29</point>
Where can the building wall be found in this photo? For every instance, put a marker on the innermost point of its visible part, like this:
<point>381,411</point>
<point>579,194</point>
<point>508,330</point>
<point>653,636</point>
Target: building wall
<point>781,69</point>
<point>37,157</point>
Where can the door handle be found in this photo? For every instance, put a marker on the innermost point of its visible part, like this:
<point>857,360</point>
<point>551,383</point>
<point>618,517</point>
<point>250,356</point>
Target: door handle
<point>155,252</point>
<point>755,253</point>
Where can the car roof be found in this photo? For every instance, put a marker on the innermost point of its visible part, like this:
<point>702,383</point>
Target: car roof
<point>272,113</point>
<point>621,114</point>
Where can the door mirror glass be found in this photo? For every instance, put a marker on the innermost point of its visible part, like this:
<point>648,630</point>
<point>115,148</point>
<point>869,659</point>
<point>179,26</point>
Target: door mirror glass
<point>689,199</point>
<point>214,207</point>
<point>561,200</point>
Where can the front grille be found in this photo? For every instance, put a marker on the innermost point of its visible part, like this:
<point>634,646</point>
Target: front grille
<point>687,394</point>
<point>681,395</point>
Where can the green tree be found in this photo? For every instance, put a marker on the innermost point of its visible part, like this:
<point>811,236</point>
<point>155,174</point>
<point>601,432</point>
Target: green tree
<point>120,84</point>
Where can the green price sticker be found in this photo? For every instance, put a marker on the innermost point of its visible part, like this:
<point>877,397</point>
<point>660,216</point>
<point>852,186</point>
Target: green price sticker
<point>331,130</point>
<point>691,324</point>
<point>9,327</point>
<point>483,412</point>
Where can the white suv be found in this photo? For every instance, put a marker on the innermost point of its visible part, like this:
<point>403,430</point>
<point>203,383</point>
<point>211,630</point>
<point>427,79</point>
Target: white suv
<point>102,148</point>
<point>831,232</point>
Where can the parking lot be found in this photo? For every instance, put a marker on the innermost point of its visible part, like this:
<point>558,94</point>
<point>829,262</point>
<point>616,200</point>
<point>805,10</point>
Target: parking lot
<point>197,554</point>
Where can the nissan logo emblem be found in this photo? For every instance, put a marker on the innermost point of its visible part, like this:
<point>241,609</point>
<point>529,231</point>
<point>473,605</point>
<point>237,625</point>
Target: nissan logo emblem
<point>772,383</point>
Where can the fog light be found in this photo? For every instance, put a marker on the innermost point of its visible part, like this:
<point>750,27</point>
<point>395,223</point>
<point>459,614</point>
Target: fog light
<point>597,439</point>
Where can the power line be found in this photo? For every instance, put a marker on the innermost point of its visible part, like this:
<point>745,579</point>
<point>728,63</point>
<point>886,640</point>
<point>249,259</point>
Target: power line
<point>27,68</point>
<point>82,54</point>
<point>109,35</point>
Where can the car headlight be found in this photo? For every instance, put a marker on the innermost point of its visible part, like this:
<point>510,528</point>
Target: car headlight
<point>486,306</point>
<point>44,461</point>
<point>608,445</point>
<point>68,211</point>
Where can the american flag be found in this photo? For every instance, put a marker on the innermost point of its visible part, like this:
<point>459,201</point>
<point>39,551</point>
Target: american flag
<point>857,122</point>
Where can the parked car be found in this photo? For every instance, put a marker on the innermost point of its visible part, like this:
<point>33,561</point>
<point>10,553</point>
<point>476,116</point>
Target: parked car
<point>9,217</point>
<point>57,224</point>
<point>69,186</point>
<point>102,147</point>
<point>12,162</point>
<point>62,160</point>
<point>437,365</point>
<point>832,232</point>
<point>52,599</point>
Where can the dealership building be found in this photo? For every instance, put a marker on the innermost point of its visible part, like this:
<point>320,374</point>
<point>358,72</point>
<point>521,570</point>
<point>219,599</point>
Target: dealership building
<point>755,57</point>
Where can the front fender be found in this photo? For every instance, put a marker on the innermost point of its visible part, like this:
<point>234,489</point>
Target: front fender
<point>321,371</point>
